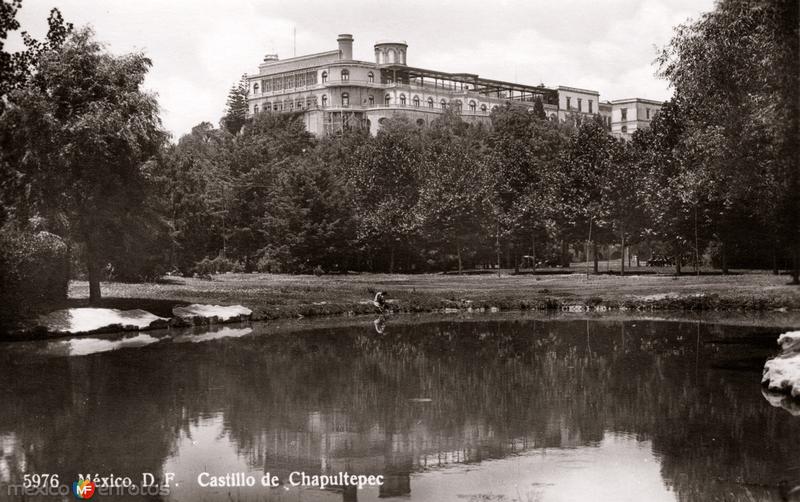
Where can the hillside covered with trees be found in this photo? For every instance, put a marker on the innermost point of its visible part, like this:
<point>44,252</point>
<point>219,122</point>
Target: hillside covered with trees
<point>88,169</point>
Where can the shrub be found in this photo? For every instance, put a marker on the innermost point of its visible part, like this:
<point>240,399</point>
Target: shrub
<point>218,265</point>
<point>34,270</point>
<point>270,264</point>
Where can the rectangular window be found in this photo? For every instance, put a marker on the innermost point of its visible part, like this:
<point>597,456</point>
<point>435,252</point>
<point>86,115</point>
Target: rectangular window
<point>591,109</point>
<point>580,105</point>
<point>277,83</point>
<point>568,102</point>
<point>268,85</point>
<point>288,82</point>
<point>311,78</point>
<point>648,114</point>
<point>624,112</point>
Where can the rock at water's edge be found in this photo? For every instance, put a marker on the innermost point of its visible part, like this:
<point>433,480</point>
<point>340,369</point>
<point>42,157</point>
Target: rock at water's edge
<point>782,374</point>
<point>204,314</point>
<point>93,320</point>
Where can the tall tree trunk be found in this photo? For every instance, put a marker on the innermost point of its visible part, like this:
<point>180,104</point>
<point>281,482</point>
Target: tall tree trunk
<point>678,263</point>
<point>533,251</point>
<point>622,258</point>
<point>458,252</point>
<point>564,254</point>
<point>724,258</point>
<point>587,251</point>
<point>497,247</point>
<point>94,269</point>
<point>696,244</point>
<point>775,270</point>
<point>391,260</point>
<point>594,254</point>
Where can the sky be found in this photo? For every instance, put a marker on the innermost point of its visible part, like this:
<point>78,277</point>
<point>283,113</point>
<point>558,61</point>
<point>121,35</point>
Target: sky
<point>199,48</point>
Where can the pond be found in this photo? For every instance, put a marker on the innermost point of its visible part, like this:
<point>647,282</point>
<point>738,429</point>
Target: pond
<point>468,409</point>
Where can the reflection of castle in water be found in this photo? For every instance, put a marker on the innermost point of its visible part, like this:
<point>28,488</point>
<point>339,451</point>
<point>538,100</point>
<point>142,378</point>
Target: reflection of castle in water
<point>328,446</point>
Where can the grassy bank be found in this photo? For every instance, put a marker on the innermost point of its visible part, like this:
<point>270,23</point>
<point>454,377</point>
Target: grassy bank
<point>283,296</point>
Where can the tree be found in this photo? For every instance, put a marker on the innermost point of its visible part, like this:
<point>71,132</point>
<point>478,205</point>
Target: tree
<point>16,68</point>
<point>236,108</point>
<point>384,184</point>
<point>737,72</point>
<point>523,155</point>
<point>78,134</point>
<point>453,201</point>
<point>538,109</point>
<point>585,166</point>
<point>190,199</point>
<point>620,197</point>
<point>308,222</point>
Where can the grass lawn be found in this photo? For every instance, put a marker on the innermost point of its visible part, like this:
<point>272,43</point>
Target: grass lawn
<point>281,296</point>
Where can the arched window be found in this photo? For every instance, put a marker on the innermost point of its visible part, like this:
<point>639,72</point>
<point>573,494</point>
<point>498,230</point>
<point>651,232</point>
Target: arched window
<point>416,101</point>
<point>483,108</point>
<point>371,77</point>
<point>472,106</point>
<point>345,99</point>
<point>267,106</point>
<point>443,103</point>
<point>387,100</point>
<point>624,129</point>
<point>345,75</point>
<point>255,108</point>
<point>371,101</point>
<point>324,100</point>
<point>300,103</point>
<point>430,102</point>
<point>402,100</point>
<point>255,88</point>
<point>324,77</point>
<point>458,105</point>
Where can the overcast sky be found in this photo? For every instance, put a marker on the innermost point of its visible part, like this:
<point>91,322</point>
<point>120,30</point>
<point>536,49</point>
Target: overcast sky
<point>200,47</point>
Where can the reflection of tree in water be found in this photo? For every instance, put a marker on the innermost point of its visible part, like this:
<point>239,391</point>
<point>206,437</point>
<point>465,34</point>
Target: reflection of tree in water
<point>415,397</point>
<point>88,415</point>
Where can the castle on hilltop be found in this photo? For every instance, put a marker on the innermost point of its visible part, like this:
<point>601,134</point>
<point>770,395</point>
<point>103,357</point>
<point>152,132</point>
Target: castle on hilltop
<point>334,92</point>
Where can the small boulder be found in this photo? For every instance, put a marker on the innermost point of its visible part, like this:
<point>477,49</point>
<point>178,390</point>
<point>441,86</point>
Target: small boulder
<point>198,314</point>
<point>782,373</point>
<point>97,320</point>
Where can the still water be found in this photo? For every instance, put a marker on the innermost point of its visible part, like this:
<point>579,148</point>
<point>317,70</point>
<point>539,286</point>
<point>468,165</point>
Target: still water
<point>480,409</point>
